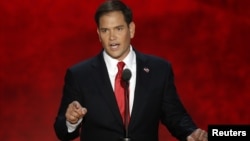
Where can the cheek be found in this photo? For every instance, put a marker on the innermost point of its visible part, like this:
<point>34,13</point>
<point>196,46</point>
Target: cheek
<point>102,38</point>
<point>104,42</point>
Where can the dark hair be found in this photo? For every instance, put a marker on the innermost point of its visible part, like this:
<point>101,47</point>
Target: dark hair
<point>113,5</point>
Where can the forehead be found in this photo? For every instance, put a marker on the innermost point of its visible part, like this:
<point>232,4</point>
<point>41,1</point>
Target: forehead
<point>112,18</point>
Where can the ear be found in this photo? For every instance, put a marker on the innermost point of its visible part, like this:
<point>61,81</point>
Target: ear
<point>132,29</point>
<point>97,30</point>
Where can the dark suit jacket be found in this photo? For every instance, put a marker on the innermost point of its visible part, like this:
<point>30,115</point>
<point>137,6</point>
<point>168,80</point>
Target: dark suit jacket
<point>155,100</point>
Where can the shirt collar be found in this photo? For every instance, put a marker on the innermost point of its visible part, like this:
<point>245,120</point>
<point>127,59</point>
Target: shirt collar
<point>128,60</point>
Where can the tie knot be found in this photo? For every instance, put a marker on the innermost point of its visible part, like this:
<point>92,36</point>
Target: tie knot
<point>120,66</point>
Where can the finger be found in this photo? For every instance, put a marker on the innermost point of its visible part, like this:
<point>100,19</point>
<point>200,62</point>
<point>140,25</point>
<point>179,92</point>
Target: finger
<point>82,112</point>
<point>190,138</point>
<point>199,133</point>
<point>76,114</point>
<point>72,119</point>
<point>76,104</point>
<point>194,135</point>
<point>202,134</point>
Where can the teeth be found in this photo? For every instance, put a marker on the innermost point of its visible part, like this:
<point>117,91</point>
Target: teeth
<point>114,45</point>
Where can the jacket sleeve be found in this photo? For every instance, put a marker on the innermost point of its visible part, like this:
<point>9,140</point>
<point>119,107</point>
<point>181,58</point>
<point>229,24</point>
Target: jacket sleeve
<point>70,91</point>
<point>175,116</point>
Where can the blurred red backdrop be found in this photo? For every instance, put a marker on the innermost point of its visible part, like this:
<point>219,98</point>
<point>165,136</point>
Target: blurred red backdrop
<point>207,41</point>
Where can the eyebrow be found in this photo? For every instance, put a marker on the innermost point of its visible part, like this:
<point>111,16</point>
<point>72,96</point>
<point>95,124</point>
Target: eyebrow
<point>119,26</point>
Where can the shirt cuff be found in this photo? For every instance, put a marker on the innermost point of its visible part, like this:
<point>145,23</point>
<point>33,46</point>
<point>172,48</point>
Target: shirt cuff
<point>72,127</point>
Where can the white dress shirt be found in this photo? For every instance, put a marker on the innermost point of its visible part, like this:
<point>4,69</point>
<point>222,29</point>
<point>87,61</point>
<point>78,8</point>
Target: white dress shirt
<point>130,63</point>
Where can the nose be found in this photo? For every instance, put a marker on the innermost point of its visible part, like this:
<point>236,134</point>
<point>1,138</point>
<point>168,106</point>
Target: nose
<point>112,36</point>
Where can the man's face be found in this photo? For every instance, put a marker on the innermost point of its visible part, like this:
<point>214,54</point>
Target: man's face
<point>115,34</point>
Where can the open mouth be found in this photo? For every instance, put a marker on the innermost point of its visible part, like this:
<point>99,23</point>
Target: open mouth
<point>114,45</point>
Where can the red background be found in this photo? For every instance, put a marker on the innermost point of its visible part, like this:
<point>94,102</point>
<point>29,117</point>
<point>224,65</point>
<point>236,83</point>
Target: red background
<point>207,41</point>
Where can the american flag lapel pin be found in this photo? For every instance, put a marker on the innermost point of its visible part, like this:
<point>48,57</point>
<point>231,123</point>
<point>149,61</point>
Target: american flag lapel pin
<point>146,69</point>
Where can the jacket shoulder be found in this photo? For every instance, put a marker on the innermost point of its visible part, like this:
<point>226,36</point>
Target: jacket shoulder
<point>153,60</point>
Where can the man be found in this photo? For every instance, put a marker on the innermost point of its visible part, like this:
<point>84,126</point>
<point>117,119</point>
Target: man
<point>89,106</point>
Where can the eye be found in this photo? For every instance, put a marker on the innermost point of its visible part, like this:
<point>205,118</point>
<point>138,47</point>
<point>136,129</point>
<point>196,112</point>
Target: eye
<point>119,28</point>
<point>103,30</point>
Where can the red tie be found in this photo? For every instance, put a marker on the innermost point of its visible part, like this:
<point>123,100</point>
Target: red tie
<point>119,89</point>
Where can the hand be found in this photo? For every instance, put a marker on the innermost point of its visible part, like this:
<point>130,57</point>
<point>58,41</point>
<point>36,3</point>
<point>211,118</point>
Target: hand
<point>75,112</point>
<point>198,135</point>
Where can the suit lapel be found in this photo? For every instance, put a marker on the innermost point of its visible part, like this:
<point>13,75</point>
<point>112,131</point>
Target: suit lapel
<point>106,91</point>
<point>142,78</point>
